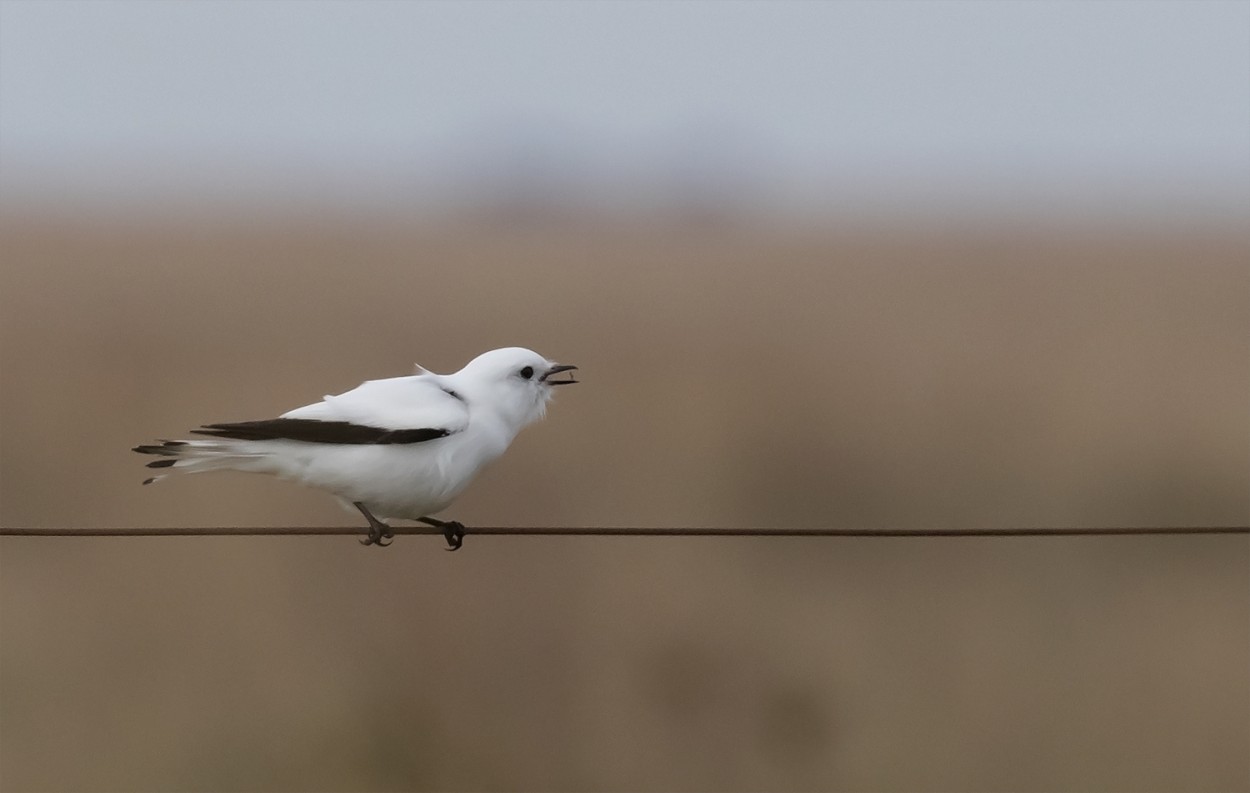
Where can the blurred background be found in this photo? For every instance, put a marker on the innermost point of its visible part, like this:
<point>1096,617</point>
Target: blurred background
<point>887,265</point>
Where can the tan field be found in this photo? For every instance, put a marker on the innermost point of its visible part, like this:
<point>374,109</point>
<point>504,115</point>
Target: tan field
<point>733,376</point>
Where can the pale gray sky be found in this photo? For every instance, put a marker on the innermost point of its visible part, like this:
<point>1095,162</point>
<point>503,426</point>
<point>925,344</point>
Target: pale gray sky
<point>889,105</point>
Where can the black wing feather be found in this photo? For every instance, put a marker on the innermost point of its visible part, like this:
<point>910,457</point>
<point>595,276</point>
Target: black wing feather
<point>314,431</point>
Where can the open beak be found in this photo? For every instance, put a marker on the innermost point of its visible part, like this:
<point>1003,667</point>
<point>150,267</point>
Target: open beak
<point>557,369</point>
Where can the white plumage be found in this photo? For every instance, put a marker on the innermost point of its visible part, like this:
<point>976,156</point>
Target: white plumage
<point>403,447</point>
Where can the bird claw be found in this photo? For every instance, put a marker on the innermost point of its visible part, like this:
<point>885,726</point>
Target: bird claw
<point>377,535</point>
<point>453,532</point>
<point>378,531</point>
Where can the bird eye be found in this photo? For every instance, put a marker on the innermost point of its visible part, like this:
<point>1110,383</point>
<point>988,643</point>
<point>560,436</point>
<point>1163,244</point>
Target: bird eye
<point>527,373</point>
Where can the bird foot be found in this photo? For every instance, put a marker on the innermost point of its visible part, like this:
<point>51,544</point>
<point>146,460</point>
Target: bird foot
<point>378,538</point>
<point>453,532</point>
<point>379,534</point>
<point>378,531</point>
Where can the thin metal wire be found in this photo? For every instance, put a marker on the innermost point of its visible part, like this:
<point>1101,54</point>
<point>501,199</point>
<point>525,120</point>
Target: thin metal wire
<point>617,531</point>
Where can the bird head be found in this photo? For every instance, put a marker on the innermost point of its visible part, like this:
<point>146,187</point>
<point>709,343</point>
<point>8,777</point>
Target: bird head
<point>514,382</point>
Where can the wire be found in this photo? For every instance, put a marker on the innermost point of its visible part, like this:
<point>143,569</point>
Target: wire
<point>616,531</point>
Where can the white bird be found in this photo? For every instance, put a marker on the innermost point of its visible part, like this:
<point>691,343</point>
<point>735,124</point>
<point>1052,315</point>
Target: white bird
<point>403,447</point>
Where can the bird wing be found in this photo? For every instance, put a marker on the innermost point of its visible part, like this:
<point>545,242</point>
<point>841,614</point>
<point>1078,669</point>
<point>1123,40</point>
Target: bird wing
<point>396,410</point>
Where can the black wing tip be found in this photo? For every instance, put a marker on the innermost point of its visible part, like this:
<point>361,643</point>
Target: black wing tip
<point>161,463</point>
<point>219,433</point>
<point>241,431</point>
<point>165,449</point>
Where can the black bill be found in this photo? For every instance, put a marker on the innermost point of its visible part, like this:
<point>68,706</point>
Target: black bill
<point>557,369</point>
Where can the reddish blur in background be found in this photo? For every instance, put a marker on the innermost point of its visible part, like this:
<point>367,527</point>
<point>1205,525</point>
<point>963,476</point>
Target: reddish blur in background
<point>927,365</point>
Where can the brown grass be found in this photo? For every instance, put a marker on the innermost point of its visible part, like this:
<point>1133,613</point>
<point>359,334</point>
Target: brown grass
<point>731,378</point>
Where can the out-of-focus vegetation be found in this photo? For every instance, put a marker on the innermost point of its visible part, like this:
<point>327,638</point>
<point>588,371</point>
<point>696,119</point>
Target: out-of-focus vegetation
<point>732,376</point>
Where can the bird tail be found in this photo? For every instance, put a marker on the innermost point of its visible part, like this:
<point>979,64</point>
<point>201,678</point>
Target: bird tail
<point>193,457</point>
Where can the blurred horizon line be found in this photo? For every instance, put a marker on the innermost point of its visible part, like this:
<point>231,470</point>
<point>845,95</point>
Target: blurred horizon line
<point>951,197</point>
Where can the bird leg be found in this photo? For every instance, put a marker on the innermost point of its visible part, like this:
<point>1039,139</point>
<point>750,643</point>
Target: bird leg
<point>453,531</point>
<point>378,531</point>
